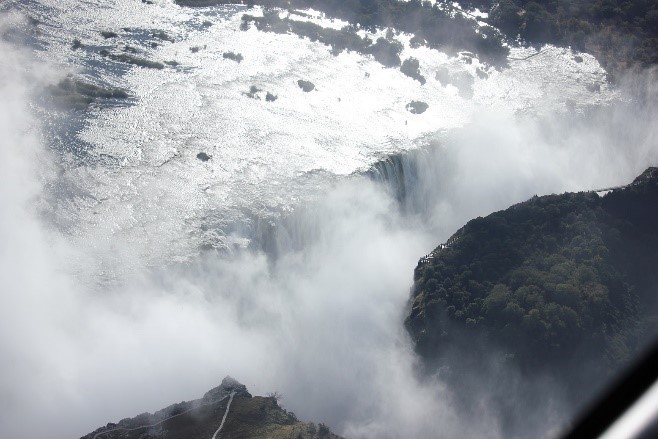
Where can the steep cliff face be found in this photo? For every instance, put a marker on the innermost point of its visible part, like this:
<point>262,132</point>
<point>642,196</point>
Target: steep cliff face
<point>227,411</point>
<point>560,285</point>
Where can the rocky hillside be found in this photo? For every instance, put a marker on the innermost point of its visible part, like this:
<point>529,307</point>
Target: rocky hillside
<point>228,411</point>
<point>559,285</point>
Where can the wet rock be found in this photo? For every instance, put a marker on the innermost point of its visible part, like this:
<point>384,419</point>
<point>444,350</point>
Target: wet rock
<point>162,35</point>
<point>417,107</point>
<point>237,57</point>
<point>130,59</point>
<point>253,92</point>
<point>109,34</point>
<point>411,68</point>
<point>228,385</point>
<point>73,93</point>
<point>306,86</point>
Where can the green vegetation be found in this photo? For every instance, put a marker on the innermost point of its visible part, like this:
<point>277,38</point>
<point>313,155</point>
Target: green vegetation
<point>619,33</point>
<point>323,430</point>
<point>555,282</point>
<point>263,417</point>
<point>417,107</point>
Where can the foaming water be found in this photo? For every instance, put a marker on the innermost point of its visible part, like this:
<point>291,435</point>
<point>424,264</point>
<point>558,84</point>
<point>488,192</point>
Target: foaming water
<point>266,157</point>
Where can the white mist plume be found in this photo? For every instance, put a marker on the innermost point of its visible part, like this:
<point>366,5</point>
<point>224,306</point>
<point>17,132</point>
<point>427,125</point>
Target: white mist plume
<point>322,325</point>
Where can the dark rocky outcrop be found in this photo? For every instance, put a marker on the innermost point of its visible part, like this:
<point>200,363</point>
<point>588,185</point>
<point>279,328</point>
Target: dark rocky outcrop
<point>434,26</point>
<point>560,286</point>
<point>411,68</point>
<point>203,156</point>
<point>75,93</point>
<point>237,57</point>
<point>253,92</point>
<point>257,93</point>
<point>417,107</point>
<point>163,36</point>
<point>306,86</point>
<point>109,34</point>
<point>227,386</point>
<point>248,417</point>
<point>132,59</point>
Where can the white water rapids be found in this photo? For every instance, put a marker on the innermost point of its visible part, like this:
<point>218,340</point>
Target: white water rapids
<point>267,157</point>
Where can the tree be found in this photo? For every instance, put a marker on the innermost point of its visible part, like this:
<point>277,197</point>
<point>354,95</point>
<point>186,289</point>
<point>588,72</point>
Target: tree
<point>505,16</point>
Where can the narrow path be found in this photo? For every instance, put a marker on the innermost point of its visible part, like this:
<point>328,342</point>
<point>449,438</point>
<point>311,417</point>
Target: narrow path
<point>529,56</point>
<point>97,435</point>
<point>228,406</point>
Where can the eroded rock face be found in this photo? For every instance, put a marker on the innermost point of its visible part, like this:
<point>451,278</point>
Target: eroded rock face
<point>228,385</point>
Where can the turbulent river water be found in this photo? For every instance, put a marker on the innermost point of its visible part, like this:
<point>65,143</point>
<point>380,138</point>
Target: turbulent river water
<point>151,280</point>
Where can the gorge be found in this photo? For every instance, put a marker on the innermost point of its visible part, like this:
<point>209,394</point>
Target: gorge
<point>162,228</point>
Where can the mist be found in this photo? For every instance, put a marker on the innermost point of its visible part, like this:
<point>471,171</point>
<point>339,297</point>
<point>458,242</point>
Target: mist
<point>320,323</point>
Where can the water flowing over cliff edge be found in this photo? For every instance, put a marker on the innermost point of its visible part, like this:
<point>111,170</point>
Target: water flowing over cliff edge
<point>179,203</point>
